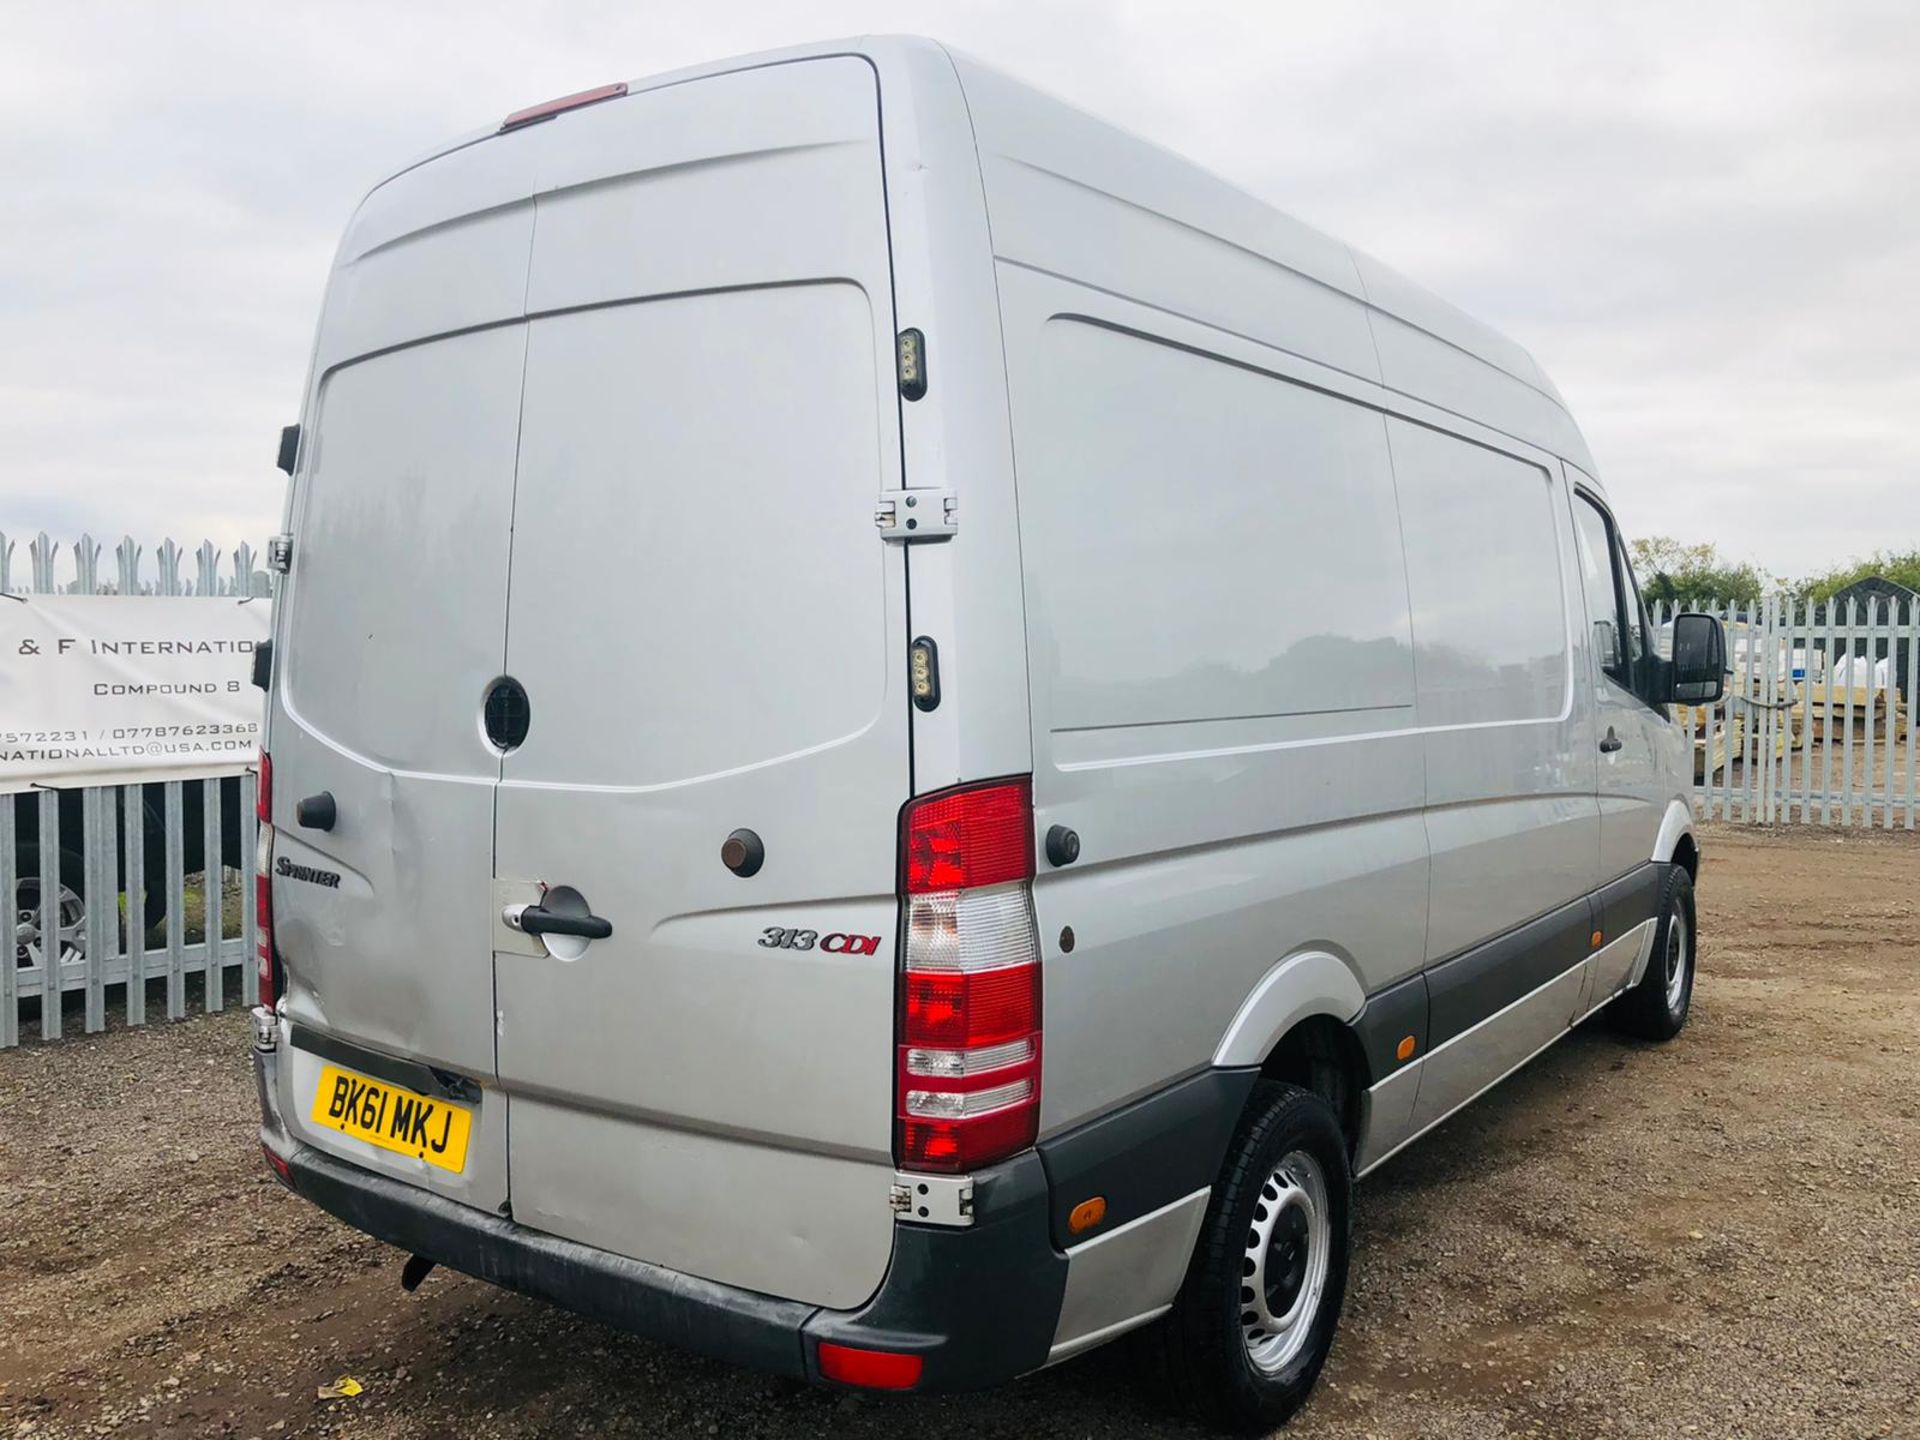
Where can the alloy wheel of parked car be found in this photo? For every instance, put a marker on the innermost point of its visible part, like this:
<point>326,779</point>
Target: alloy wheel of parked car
<point>32,931</point>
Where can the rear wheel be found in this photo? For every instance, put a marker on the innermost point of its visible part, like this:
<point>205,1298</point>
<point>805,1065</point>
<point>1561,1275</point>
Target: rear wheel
<point>1657,1008</point>
<point>1255,1320</point>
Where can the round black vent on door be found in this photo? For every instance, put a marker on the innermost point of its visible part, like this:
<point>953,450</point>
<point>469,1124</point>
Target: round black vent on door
<point>508,713</point>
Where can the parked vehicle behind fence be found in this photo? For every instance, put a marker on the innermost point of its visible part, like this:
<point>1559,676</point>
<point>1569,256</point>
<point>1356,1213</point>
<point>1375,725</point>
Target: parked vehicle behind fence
<point>982,724</point>
<point>60,867</point>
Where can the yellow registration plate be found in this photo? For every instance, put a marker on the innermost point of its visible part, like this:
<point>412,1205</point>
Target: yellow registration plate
<point>393,1118</point>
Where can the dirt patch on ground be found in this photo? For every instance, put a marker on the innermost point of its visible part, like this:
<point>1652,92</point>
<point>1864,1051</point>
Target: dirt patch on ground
<point>1717,1237</point>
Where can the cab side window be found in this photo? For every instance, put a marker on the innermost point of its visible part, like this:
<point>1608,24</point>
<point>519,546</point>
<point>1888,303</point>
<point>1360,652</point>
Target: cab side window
<point>1595,543</point>
<point>1621,640</point>
<point>1637,646</point>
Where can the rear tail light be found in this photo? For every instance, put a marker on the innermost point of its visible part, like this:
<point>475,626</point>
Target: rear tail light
<point>263,886</point>
<point>967,1085</point>
<point>963,839</point>
<point>872,1369</point>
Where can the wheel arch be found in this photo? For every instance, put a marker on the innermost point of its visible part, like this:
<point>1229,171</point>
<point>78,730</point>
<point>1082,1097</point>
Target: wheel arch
<point>1676,843</point>
<point>1296,1025</point>
<point>1686,854</point>
<point>1325,1056</point>
<point>1304,984</point>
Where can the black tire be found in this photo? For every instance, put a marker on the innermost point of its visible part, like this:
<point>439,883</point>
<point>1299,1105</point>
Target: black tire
<point>1657,1008</point>
<point>1207,1359</point>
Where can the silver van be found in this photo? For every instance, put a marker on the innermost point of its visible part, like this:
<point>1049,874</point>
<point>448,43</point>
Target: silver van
<point>905,732</point>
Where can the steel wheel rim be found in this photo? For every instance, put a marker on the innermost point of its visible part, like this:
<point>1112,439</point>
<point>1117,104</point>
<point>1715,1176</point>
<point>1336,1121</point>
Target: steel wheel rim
<point>70,926</point>
<point>1676,961</point>
<point>1284,1272</point>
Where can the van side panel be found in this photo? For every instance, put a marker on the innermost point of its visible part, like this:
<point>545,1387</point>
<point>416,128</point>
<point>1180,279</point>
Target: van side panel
<point>1072,196</point>
<point>1295,772</point>
<point>1223,685</point>
<point>1428,350</point>
<point>1511,814</point>
<point>1212,544</point>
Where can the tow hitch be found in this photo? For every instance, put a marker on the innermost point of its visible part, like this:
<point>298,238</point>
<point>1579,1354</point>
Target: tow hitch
<point>417,1268</point>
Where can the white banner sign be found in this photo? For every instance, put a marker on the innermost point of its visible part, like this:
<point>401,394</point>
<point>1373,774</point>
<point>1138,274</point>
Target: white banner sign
<point>105,689</point>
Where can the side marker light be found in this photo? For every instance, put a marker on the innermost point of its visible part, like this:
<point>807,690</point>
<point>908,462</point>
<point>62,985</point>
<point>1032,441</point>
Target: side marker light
<point>1087,1214</point>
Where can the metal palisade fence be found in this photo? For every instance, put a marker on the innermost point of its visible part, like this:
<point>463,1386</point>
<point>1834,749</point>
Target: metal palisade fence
<point>116,891</point>
<point>1818,723</point>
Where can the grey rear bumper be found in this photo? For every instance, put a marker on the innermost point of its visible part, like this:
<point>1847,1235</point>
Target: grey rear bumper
<point>979,1305</point>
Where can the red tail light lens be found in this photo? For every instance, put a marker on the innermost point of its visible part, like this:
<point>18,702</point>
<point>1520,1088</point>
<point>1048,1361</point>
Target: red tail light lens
<point>979,1011</point>
<point>967,1085</point>
<point>956,1146</point>
<point>962,839</point>
<point>871,1369</point>
<point>263,886</point>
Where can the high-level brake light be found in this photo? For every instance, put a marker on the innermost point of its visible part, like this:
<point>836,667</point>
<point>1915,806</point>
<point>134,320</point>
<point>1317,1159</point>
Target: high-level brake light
<point>967,1085</point>
<point>547,109</point>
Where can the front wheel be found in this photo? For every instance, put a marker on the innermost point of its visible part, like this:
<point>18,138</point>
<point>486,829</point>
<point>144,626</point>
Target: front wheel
<point>1255,1319</point>
<point>1657,1008</point>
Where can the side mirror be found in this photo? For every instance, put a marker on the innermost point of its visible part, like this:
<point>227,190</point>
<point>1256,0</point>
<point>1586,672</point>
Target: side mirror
<point>1698,674</point>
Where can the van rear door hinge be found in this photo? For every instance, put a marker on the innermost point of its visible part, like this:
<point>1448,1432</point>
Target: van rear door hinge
<point>934,1199</point>
<point>927,514</point>
<point>280,553</point>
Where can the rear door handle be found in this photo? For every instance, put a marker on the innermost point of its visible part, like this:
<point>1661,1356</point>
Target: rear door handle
<point>1612,743</point>
<point>538,920</point>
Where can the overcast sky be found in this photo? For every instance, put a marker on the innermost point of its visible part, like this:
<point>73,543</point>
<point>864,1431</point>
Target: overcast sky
<point>1703,219</point>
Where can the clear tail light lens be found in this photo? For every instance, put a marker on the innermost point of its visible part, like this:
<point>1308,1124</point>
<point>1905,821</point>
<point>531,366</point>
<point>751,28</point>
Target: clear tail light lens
<point>967,1089</point>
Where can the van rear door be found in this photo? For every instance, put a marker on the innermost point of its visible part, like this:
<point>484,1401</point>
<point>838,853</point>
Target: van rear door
<point>392,625</point>
<point>711,637</point>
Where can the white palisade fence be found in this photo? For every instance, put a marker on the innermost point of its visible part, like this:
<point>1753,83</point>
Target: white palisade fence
<point>1818,723</point>
<point>88,847</point>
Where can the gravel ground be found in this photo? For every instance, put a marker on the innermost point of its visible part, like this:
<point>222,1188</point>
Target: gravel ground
<point>1718,1237</point>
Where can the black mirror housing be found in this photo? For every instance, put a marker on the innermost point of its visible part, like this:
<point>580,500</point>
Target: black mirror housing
<point>1697,674</point>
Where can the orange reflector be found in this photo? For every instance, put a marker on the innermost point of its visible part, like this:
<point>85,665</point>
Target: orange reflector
<point>873,1369</point>
<point>1597,938</point>
<point>1407,1046</point>
<point>1087,1214</point>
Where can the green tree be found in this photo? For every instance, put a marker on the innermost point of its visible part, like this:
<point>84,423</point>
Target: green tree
<point>1900,566</point>
<point>1685,575</point>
